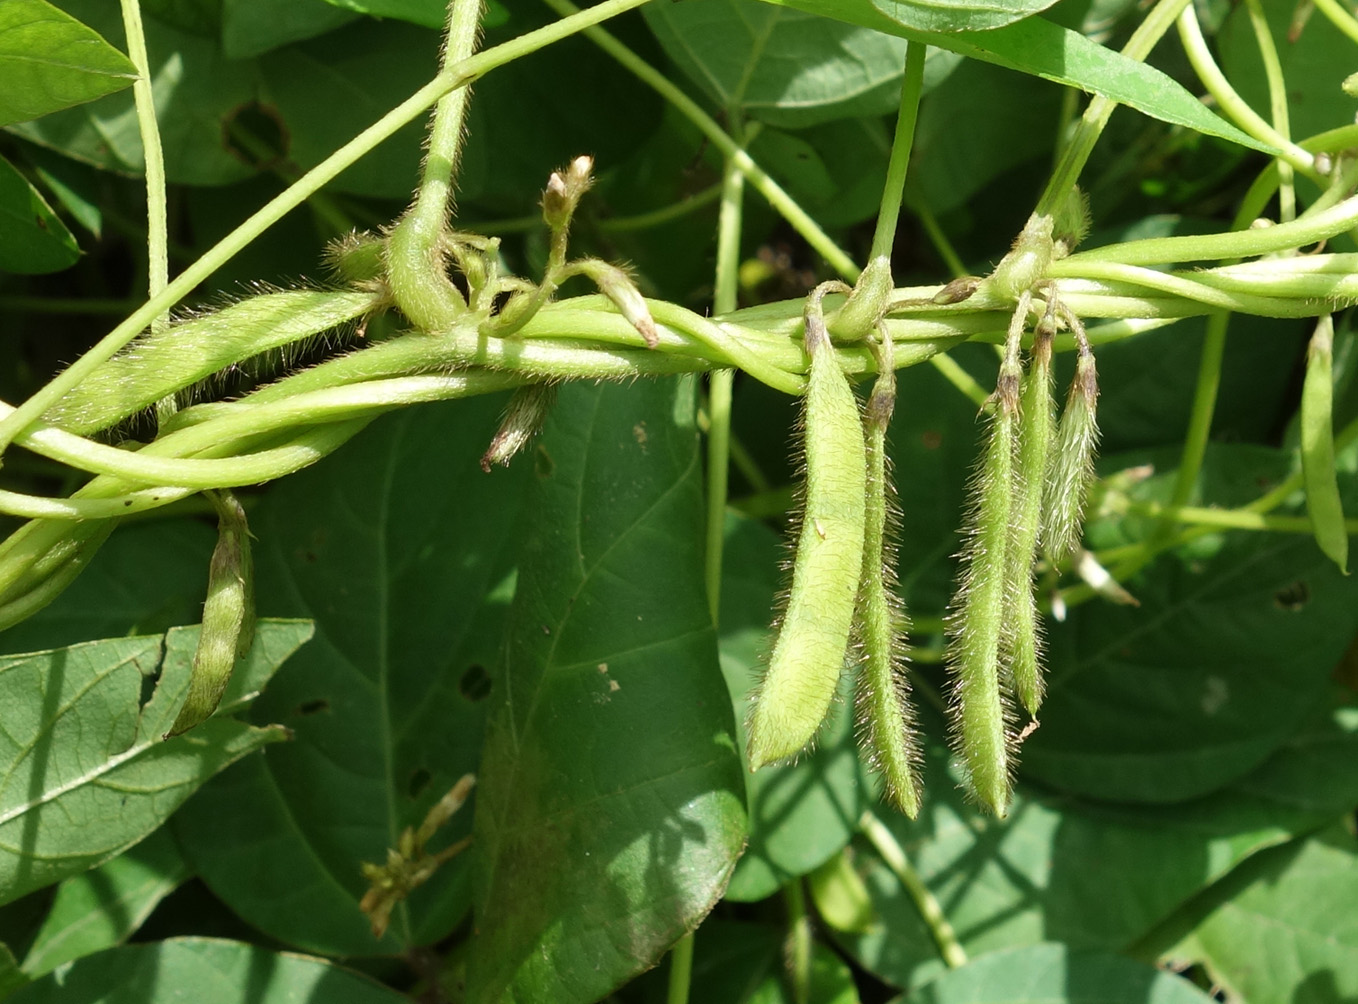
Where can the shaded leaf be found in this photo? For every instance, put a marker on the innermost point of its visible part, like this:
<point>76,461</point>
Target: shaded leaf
<point>1088,875</point>
<point>103,907</point>
<point>49,61</point>
<point>196,88</point>
<point>800,814</point>
<point>86,774</point>
<point>1056,974</point>
<point>402,551</point>
<point>212,971</point>
<point>780,65</point>
<point>1233,644</point>
<point>610,810</point>
<point>1043,49</point>
<point>250,27</point>
<point>958,15</point>
<point>32,237</point>
<point>1282,928</point>
<point>430,13</point>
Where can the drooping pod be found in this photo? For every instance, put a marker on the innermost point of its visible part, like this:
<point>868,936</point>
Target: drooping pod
<point>1036,430</point>
<point>228,616</point>
<point>1317,447</point>
<point>524,417</point>
<point>810,650</point>
<point>979,655</point>
<point>886,721</point>
<point>1072,468</point>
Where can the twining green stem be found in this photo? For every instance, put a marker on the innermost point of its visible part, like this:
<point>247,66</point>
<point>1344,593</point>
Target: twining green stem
<point>681,970</point>
<point>912,85</point>
<point>451,78</point>
<point>1339,16</point>
<point>893,855</point>
<point>1204,407</point>
<point>1277,97</point>
<point>1237,244</point>
<point>1236,108</point>
<point>1100,108</point>
<point>416,249</point>
<point>157,226</point>
<point>1230,519</point>
<point>772,192</point>
<point>941,243</point>
<point>720,385</point>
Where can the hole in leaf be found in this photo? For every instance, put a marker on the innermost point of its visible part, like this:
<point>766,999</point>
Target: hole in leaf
<point>419,780</point>
<point>254,134</point>
<point>475,683</point>
<point>313,707</point>
<point>1293,597</point>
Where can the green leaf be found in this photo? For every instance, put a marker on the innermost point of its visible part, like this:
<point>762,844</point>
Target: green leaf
<point>49,61</point>
<point>250,27</point>
<point>74,186</point>
<point>830,981</point>
<point>1046,50</point>
<point>1089,875</point>
<point>1314,64</point>
<point>610,810</point>
<point>800,814</point>
<point>32,237</point>
<point>402,551</point>
<point>780,65</point>
<point>958,15</point>
<point>1233,644</point>
<point>1282,929</point>
<point>1056,974</point>
<point>207,970</point>
<point>1011,119</point>
<point>11,976</point>
<point>329,89</point>
<point>103,907</point>
<point>430,13</point>
<point>197,92</point>
<point>86,773</point>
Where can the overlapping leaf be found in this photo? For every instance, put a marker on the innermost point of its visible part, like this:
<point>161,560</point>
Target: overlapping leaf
<point>49,61</point>
<point>32,237</point>
<point>402,551</point>
<point>85,772</point>
<point>610,810</point>
<point>213,971</point>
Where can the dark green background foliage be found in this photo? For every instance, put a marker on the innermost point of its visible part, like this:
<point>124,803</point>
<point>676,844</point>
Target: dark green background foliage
<point>1188,801</point>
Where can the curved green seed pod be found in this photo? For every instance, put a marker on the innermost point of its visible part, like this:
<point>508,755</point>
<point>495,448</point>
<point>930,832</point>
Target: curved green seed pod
<point>976,620</point>
<point>157,365</point>
<point>1072,468</point>
<point>809,653</point>
<point>228,616</point>
<point>1317,447</point>
<point>1037,429</point>
<point>887,725</point>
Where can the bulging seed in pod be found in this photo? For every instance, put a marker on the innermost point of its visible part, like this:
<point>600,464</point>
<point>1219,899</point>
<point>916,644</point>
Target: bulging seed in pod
<point>1036,430</point>
<point>979,642</point>
<point>809,653</point>
<point>1072,467</point>
<point>886,721</point>
<point>228,617</point>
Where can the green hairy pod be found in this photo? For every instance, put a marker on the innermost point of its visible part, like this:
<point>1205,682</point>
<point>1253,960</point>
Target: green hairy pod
<point>886,721</point>
<point>1072,468</point>
<point>1037,429</point>
<point>524,417</point>
<point>159,364</point>
<point>1317,447</point>
<point>228,616</point>
<point>809,653</point>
